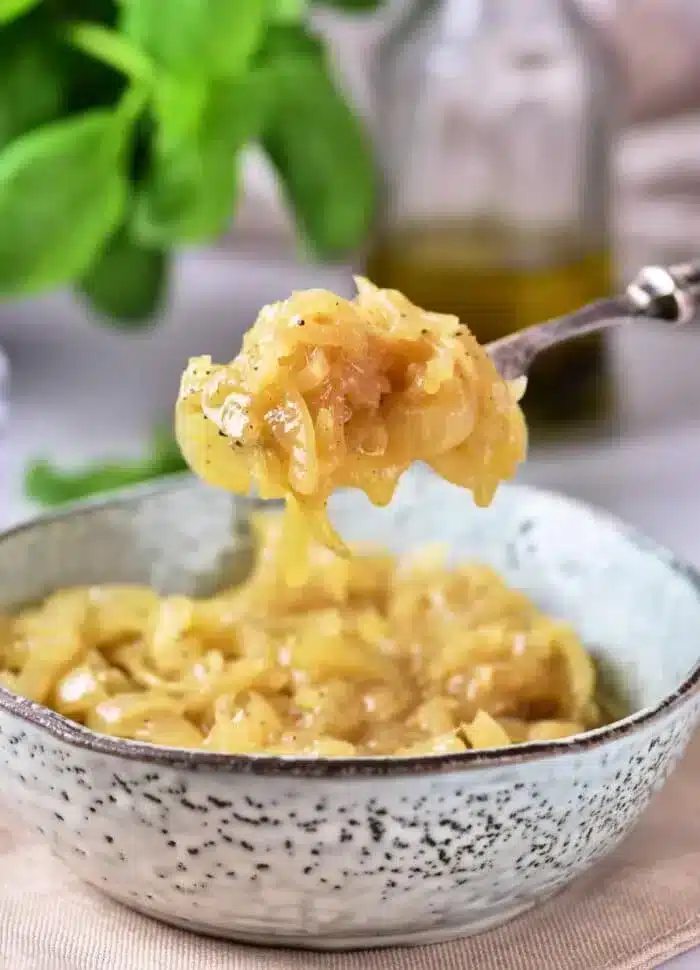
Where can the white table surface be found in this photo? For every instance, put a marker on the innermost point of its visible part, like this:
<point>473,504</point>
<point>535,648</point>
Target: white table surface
<point>82,392</point>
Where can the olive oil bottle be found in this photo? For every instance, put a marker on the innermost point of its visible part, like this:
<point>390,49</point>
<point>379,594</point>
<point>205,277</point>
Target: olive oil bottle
<point>495,127</point>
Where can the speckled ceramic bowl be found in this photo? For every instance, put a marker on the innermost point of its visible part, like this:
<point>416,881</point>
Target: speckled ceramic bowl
<point>355,853</point>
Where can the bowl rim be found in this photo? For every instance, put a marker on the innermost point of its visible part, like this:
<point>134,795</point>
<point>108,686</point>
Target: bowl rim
<point>75,735</point>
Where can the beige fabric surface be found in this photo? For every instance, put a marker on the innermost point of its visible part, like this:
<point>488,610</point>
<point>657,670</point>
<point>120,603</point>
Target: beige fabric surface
<point>635,910</point>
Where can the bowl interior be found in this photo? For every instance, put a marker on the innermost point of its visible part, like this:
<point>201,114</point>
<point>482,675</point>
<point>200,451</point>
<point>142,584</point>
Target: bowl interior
<point>636,609</point>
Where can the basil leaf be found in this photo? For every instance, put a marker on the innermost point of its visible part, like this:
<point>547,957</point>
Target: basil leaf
<point>49,486</point>
<point>190,192</point>
<point>114,50</point>
<point>62,194</point>
<point>319,149</point>
<point>11,9</point>
<point>128,282</point>
<point>197,38</point>
<point>286,11</point>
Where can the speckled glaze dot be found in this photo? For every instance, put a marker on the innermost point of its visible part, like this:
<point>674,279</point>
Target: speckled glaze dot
<point>345,854</point>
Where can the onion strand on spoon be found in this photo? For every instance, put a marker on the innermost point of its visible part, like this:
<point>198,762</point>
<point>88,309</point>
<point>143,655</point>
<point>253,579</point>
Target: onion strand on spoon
<point>330,393</point>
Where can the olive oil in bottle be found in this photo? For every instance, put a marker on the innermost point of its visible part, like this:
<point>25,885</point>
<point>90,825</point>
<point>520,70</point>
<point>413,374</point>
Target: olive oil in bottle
<point>495,128</point>
<point>461,272</point>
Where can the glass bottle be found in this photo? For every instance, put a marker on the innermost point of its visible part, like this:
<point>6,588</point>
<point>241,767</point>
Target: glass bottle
<point>495,129</point>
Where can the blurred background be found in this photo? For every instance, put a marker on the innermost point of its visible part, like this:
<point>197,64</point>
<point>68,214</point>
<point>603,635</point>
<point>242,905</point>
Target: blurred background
<point>505,160</point>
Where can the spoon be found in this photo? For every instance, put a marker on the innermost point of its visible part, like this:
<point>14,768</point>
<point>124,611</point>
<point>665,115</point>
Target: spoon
<point>671,294</point>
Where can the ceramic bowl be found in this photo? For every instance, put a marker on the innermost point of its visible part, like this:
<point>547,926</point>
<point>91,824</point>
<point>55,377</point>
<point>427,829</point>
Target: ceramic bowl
<point>368,852</point>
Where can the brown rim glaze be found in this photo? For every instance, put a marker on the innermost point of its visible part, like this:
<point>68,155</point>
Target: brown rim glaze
<point>77,736</point>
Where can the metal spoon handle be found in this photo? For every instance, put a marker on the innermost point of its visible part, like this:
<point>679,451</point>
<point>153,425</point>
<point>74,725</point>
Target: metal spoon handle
<point>657,293</point>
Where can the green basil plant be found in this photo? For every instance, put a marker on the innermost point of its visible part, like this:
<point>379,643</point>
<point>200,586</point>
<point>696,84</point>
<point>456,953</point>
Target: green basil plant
<point>120,125</point>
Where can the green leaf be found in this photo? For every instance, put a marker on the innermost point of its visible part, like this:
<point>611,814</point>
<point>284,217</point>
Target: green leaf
<point>62,194</point>
<point>190,192</point>
<point>321,153</point>
<point>32,81</point>
<point>51,486</point>
<point>128,282</point>
<point>114,50</point>
<point>11,9</point>
<point>287,11</point>
<point>197,38</point>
